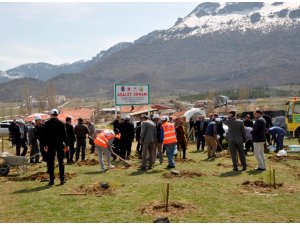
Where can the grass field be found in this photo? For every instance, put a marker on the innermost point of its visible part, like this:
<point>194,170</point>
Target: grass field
<point>207,191</point>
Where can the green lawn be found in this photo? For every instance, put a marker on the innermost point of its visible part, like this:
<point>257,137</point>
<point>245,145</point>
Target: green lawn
<point>216,196</point>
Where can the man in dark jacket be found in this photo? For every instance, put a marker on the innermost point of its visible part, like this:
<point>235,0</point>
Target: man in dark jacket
<point>200,128</point>
<point>11,132</point>
<point>159,138</point>
<point>126,129</point>
<point>259,139</point>
<point>71,138</point>
<point>137,138</point>
<point>20,137</point>
<point>236,137</point>
<point>81,131</point>
<point>116,122</point>
<point>56,141</point>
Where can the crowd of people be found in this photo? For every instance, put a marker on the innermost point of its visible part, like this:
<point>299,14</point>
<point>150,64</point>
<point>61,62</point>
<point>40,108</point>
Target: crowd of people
<point>155,135</point>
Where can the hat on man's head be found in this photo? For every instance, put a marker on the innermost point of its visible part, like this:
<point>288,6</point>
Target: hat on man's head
<point>127,117</point>
<point>257,110</point>
<point>20,121</point>
<point>164,118</point>
<point>54,112</point>
<point>37,118</point>
<point>155,116</point>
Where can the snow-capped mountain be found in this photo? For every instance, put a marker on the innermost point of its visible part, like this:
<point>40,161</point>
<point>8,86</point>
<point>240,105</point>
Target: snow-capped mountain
<point>45,71</point>
<point>217,17</point>
<point>5,77</point>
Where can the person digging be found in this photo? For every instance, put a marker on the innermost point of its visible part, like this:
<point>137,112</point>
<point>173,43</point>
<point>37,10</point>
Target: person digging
<point>103,142</point>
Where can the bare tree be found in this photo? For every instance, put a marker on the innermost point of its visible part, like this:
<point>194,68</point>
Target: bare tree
<point>27,99</point>
<point>52,101</point>
<point>243,96</point>
<point>210,100</point>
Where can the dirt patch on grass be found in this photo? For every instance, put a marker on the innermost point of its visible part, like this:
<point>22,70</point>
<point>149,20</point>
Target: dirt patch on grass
<point>224,165</point>
<point>259,186</point>
<point>224,154</point>
<point>285,158</point>
<point>42,176</point>
<point>87,162</point>
<point>182,174</point>
<point>94,189</point>
<point>175,209</point>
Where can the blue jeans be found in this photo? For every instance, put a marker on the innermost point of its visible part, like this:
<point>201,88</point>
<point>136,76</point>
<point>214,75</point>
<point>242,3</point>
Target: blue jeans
<point>279,142</point>
<point>170,148</point>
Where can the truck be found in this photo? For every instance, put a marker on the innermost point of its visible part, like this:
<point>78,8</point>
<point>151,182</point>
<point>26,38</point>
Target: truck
<point>292,118</point>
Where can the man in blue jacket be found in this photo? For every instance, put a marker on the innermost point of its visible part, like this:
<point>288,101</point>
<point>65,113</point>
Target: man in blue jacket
<point>277,134</point>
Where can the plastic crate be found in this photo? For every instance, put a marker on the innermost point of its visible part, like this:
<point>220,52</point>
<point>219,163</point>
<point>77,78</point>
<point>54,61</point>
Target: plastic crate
<point>294,148</point>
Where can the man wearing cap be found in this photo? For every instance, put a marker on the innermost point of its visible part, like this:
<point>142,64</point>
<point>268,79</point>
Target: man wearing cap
<point>20,137</point>
<point>147,140</point>
<point>55,137</point>
<point>236,137</point>
<point>169,140</point>
<point>259,139</point>
<point>126,129</point>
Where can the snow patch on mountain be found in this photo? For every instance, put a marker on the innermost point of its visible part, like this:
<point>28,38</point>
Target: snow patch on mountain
<point>222,17</point>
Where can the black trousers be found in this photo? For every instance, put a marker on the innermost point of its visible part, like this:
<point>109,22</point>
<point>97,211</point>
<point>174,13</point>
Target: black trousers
<point>80,144</point>
<point>248,146</point>
<point>91,142</point>
<point>35,150</point>
<point>22,144</point>
<point>71,152</point>
<point>52,151</point>
<point>200,138</point>
<point>125,148</point>
<point>182,147</point>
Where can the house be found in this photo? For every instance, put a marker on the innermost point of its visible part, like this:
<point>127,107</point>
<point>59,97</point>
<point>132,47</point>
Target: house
<point>84,113</point>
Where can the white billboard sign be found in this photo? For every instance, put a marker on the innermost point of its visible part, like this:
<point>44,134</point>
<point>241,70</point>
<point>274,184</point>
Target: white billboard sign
<point>132,94</point>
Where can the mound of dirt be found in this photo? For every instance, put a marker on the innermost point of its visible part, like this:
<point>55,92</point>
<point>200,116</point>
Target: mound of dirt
<point>259,186</point>
<point>175,209</point>
<point>87,162</point>
<point>182,174</point>
<point>275,158</point>
<point>96,189</point>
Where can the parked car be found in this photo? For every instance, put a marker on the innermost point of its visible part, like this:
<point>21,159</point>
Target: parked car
<point>4,126</point>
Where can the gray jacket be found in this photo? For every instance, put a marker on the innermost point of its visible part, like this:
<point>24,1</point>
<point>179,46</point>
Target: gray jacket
<point>236,131</point>
<point>148,132</point>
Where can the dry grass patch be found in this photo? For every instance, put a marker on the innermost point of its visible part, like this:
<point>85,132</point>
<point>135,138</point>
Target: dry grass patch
<point>175,209</point>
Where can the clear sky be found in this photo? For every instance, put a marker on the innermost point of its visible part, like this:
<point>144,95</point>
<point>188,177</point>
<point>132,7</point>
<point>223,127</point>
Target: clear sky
<point>60,33</point>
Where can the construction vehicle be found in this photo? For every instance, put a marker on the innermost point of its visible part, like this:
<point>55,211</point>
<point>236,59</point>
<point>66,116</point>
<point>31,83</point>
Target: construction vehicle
<point>293,118</point>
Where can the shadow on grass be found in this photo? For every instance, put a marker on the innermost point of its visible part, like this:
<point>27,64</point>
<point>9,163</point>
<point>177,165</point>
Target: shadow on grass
<point>230,174</point>
<point>30,190</point>
<point>254,172</point>
<point>138,172</point>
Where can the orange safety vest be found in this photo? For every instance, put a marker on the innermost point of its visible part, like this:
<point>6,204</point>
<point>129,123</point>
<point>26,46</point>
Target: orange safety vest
<point>103,138</point>
<point>169,133</point>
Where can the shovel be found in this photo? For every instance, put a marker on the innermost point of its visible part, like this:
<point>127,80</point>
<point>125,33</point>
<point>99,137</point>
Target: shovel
<point>128,164</point>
